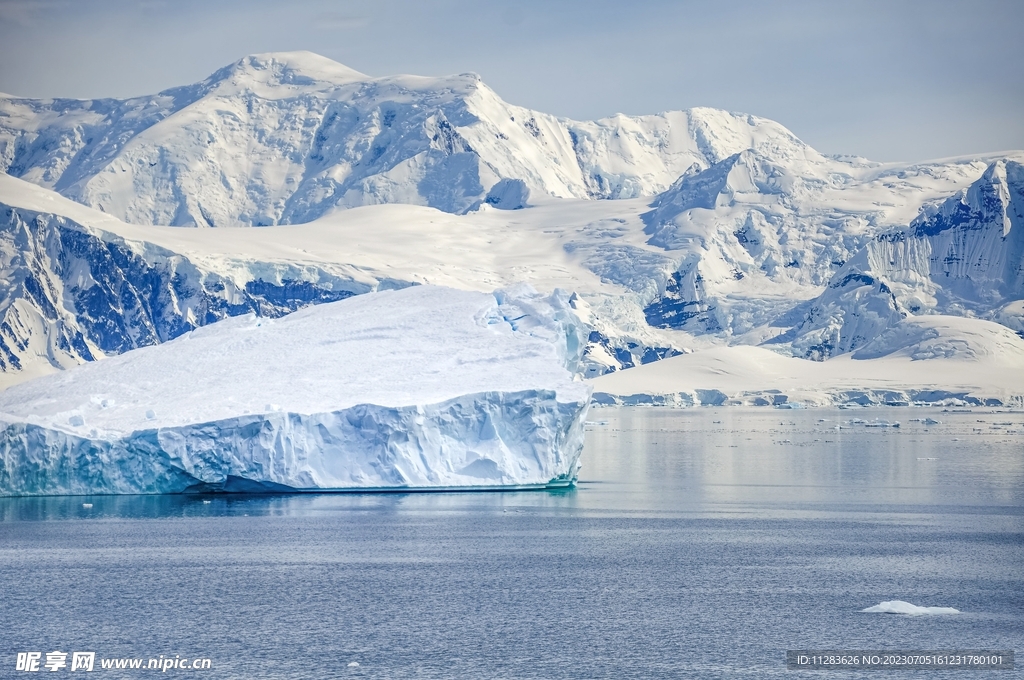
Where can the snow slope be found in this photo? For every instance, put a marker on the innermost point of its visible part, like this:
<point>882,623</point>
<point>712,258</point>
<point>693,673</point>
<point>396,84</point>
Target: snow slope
<point>922,360</point>
<point>356,394</point>
<point>71,291</point>
<point>753,230</point>
<point>154,283</point>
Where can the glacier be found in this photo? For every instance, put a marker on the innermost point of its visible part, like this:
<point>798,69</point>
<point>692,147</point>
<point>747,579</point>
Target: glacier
<point>360,394</point>
<point>934,359</point>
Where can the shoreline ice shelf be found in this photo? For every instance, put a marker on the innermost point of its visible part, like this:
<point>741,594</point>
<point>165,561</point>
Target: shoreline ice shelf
<point>353,395</point>
<point>932,360</point>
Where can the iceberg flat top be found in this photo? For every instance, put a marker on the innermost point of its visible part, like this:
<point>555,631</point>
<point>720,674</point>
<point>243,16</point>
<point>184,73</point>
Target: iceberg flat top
<point>419,345</point>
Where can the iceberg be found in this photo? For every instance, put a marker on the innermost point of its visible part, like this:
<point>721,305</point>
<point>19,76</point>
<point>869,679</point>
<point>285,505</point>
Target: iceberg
<point>901,607</point>
<point>414,389</point>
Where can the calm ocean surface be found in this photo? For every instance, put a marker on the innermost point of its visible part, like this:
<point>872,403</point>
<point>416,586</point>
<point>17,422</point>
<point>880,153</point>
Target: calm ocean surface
<point>699,543</point>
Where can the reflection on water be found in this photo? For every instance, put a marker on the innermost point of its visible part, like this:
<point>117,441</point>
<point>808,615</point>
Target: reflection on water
<point>700,543</point>
<point>700,458</point>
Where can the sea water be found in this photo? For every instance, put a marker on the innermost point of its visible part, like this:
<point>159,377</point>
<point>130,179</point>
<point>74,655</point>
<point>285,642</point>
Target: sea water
<point>698,543</point>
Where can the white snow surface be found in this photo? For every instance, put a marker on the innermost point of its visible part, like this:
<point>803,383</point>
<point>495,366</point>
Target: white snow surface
<point>901,607</point>
<point>964,257</point>
<point>924,360</point>
<point>596,248</point>
<point>361,393</point>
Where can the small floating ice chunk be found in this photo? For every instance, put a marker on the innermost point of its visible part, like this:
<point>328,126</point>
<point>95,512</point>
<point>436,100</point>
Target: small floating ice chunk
<point>901,607</point>
<point>353,664</point>
<point>86,505</point>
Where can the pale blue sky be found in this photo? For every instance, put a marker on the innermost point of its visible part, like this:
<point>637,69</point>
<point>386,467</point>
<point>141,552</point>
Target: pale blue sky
<point>887,80</point>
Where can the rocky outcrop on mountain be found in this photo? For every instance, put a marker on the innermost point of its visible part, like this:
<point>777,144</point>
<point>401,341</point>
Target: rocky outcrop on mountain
<point>70,293</point>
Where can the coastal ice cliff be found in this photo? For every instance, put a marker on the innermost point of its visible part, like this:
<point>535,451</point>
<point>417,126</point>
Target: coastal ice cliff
<point>356,394</point>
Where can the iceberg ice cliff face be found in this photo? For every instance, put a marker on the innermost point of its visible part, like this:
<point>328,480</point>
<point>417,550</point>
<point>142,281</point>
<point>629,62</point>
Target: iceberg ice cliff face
<point>357,394</point>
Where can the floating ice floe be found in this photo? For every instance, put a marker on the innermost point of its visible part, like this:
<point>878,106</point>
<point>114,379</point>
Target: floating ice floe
<point>901,607</point>
<point>878,422</point>
<point>422,388</point>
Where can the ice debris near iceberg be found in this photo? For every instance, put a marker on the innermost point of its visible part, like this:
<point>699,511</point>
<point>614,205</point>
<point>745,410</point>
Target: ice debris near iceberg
<point>425,387</point>
<point>901,607</point>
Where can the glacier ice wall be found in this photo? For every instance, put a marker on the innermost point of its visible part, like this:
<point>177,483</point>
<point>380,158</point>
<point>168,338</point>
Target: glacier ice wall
<point>357,394</point>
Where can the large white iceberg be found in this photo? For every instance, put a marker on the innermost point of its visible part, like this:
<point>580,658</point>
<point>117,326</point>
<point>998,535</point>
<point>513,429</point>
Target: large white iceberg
<point>422,388</point>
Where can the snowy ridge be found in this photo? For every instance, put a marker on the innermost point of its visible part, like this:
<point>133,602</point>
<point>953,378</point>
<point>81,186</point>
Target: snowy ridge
<point>755,236</point>
<point>285,137</point>
<point>71,293</point>
<point>354,394</point>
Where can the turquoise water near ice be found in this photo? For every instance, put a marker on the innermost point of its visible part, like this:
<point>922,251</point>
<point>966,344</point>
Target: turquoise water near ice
<point>699,543</point>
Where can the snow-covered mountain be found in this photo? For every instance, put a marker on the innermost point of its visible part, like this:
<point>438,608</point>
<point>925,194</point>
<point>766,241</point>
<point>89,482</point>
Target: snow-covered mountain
<point>759,233</point>
<point>283,138</point>
<point>933,359</point>
<point>964,257</point>
<point>723,229</point>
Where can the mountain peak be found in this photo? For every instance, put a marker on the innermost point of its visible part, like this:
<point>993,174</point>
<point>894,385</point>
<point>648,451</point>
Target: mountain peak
<point>745,173</point>
<point>985,202</point>
<point>271,74</point>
